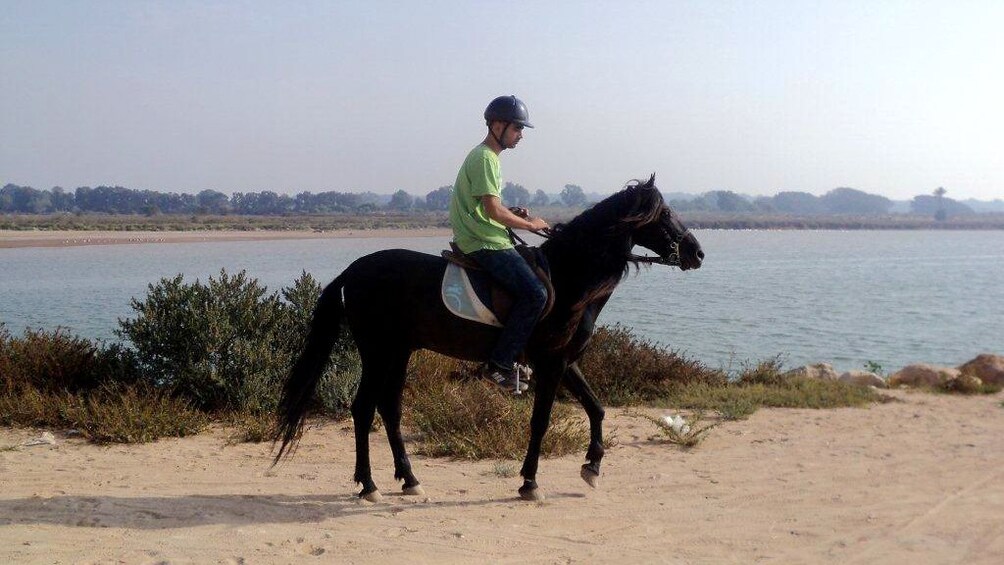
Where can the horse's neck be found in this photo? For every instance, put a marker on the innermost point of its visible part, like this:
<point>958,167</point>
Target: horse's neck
<point>587,273</point>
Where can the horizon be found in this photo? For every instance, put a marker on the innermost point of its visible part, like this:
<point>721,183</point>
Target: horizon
<point>894,99</point>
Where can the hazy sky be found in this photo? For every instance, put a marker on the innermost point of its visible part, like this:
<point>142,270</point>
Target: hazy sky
<point>894,98</point>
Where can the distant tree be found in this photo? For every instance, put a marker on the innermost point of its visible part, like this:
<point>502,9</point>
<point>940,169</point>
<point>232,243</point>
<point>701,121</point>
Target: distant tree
<point>62,201</point>
<point>264,203</point>
<point>439,199</point>
<point>348,200</point>
<point>401,201</point>
<point>850,201</point>
<point>25,200</point>
<point>728,201</point>
<point>797,203</point>
<point>764,204</point>
<point>110,200</point>
<point>515,195</point>
<point>540,198</point>
<point>929,205</point>
<point>212,202</point>
<point>572,196</point>
<point>939,193</point>
<point>368,197</point>
<point>688,204</point>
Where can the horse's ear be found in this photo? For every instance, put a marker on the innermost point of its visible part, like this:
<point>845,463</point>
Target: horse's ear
<point>651,181</point>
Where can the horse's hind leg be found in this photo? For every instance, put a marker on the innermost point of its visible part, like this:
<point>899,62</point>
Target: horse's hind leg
<point>390,410</point>
<point>363,407</point>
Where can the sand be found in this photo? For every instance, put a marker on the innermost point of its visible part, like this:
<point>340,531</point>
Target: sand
<point>913,481</point>
<point>28,238</point>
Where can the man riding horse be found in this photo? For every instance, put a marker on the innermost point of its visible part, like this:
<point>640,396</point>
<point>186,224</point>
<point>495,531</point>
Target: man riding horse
<point>479,221</point>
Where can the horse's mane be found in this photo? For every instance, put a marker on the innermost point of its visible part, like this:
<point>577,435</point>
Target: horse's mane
<point>599,240</point>
<point>637,204</point>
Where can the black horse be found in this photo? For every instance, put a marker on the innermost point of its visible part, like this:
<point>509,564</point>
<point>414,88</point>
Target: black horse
<point>391,300</point>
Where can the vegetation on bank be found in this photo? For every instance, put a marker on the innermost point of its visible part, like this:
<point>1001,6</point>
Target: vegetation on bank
<point>217,351</point>
<point>438,219</point>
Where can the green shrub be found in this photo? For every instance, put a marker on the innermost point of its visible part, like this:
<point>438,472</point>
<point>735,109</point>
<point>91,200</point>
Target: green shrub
<point>227,344</point>
<point>691,434</point>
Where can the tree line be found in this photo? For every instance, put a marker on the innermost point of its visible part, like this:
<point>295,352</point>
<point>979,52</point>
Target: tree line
<point>839,201</point>
<point>121,200</point>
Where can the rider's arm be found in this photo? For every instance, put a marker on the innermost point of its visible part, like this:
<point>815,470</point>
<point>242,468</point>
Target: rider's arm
<point>496,211</point>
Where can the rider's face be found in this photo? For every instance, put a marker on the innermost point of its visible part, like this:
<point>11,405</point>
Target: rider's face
<point>513,134</point>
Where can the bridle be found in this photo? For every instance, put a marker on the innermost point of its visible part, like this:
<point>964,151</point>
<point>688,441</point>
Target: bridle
<point>673,260</point>
<point>674,257</point>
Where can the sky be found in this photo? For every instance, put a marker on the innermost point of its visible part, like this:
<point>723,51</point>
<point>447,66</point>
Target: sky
<point>893,98</point>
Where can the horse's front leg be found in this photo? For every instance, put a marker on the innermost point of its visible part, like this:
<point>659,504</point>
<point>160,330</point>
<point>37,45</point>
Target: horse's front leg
<point>543,401</point>
<point>580,389</point>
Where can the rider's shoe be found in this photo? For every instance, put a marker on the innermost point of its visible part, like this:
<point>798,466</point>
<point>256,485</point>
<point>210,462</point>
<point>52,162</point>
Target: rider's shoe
<point>506,380</point>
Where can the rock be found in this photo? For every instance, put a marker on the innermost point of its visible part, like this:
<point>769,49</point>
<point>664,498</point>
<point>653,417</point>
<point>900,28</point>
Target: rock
<point>863,378</point>
<point>989,368</point>
<point>922,374</point>
<point>45,439</point>
<point>964,383</point>
<point>817,371</point>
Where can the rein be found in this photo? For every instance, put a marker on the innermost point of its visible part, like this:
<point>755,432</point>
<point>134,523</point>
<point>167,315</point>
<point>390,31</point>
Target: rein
<point>673,260</point>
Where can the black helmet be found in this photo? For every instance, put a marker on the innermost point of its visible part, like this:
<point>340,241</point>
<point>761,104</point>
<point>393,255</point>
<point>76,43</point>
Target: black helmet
<point>508,109</point>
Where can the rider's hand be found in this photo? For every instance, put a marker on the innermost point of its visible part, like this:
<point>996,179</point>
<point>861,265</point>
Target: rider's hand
<point>520,211</point>
<point>538,224</point>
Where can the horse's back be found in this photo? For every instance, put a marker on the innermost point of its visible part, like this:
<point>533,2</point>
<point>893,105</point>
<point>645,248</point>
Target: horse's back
<point>394,297</point>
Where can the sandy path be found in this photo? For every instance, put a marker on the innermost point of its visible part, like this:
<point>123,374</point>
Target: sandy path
<point>16,238</point>
<point>916,481</point>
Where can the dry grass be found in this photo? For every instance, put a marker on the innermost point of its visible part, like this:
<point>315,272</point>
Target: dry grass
<point>473,419</point>
<point>624,369</point>
<point>108,415</point>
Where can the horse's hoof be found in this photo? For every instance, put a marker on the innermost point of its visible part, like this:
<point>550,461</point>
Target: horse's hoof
<point>372,496</point>
<point>588,475</point>
<point>416,490</point>
<point>531,494</point>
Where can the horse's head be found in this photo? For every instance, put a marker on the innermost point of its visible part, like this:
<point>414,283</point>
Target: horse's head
<point>666,236</point>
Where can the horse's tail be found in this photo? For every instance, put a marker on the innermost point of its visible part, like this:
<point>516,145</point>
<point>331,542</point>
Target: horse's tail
<point>298,392</point>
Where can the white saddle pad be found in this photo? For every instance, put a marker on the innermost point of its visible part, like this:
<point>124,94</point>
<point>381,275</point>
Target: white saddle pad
<point>459,297</point>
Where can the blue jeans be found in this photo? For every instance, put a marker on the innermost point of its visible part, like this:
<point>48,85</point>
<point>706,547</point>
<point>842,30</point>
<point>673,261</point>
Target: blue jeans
<point>508,268</point>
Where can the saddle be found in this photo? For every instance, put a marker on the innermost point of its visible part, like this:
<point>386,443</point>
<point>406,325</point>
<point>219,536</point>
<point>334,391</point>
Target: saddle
<point>469,292</point>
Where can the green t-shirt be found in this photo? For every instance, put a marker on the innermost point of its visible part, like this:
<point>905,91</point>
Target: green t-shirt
<point>473,230</point>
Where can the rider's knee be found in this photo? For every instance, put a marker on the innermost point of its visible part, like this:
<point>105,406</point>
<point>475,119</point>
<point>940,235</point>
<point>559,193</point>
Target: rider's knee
<point>538,297</point>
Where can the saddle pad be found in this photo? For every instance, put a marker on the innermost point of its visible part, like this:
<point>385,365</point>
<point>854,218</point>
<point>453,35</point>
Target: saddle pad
<point>460,298</point>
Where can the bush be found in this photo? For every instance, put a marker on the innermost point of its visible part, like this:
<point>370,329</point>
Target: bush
<point>624,369</point>
<point>57,361</point>
<point>227,344</point>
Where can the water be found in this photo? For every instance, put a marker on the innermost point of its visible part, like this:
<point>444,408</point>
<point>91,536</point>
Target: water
<point>843,297</point>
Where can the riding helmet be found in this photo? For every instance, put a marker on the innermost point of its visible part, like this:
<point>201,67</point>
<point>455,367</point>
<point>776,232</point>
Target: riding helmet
<point>508,109</point>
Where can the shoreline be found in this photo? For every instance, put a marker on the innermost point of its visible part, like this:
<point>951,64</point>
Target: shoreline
<point>73,238</point>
